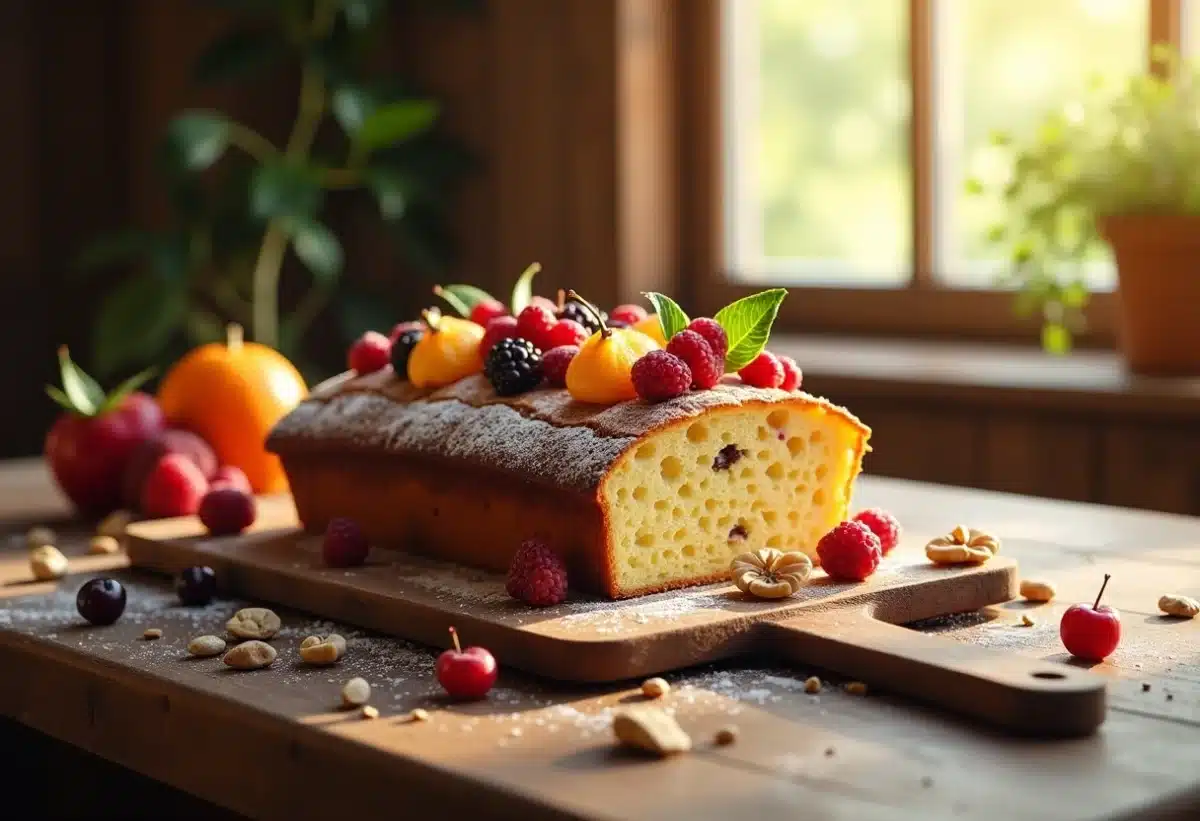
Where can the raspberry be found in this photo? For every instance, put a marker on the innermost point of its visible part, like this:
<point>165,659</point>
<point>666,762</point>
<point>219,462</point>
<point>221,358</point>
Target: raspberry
<point>792,376</point>
<point>513,366</point>
<point>402,348</point>
<point>147,453</point>
<point>230,476</point>
<point>698,354</point>
<point>629,314</point>
<point>713,334</point>
<point>883,525</point>
<point>764,372</point>
<point>535,323</point>
<point>227,510</point>
<point>537,576</point>
<point>566,332</point>
<point>484,312</point>
<point>344,545</point>
<point>577,313</point>
<point>849,552</point>
<point>555,363</point>
<point>661,375</point>
<point>504,327</point>
<point>174,487</point>
<point>370,353</point>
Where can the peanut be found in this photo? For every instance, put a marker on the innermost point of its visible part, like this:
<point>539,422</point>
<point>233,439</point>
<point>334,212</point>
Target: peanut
<point>47,562</point>
<point>250,655</point>
<point>650,730</point>
<point>812,685</point>
<point>322,651</point>
<point>369,712</point>
<point>103,546</point>
<point>418,715</point>
<point>1174,604</point>
<point>1036,590</point>
<point>655,687</point>
<point>152,633</point>
<point>205,646</point>
<point>253,623</point>
<point>856,688</point>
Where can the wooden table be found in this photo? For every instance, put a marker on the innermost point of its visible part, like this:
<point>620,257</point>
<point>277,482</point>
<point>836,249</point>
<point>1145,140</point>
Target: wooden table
<point>272,744</point>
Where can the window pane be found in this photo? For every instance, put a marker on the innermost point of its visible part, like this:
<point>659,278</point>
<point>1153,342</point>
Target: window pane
<point>817,171</point>
<point>1005,64</point>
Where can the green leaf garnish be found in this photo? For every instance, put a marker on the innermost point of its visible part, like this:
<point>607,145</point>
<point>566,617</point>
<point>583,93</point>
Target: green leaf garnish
<point>84,394</point>
<point>747,323</point>
<point>125,388</point>
<point>523,290</point>
<point>462,298</point>
<point>670,316</point>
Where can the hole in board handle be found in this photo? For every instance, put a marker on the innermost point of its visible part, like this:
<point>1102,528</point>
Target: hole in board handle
<point>1048,675</point>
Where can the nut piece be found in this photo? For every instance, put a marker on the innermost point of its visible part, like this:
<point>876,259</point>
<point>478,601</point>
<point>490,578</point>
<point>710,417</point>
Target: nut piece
<point>1174,604</point>
<point>47,562</point>
<point>1036,590</point>
<point>152,633</point>
<point>206,646</point>
<point>962,546</point>
<point>369,712</point>
<point>103,546</point>
<point>322,651</point>
<point>356,692</point>
<point>655,687</point>
<point>253,623</point>
<point>1027,620</point>
<point>725,736</point>
<point>114,524</point>
<point>651,730</point>
<point>812,685</point>
<point>40,537</point>
<point>769,573</point>
<point>250,655</point>
<point>418,715</point>
<point>856,688</point>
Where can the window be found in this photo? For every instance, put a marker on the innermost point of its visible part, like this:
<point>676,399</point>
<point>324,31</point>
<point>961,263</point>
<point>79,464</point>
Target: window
<point>845,131</point>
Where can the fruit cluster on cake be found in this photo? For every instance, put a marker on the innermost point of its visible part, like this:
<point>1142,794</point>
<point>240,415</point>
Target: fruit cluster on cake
<point>647,450</point>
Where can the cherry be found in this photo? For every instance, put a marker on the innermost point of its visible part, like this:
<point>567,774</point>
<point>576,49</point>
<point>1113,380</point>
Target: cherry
<point>196,586</point>
<point>101,601</point>
<point>227,510</point>
<point>1091,631</point>
<point>466,674</point>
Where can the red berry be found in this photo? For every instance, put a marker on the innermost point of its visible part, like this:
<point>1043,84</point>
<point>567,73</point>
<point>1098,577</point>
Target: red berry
<point>764,372</point>
<point>849,552</point>
<point>713,334</point>
<point>484,312</point>
<point>345,545</point>
<point>693,349</point>
<point>1091,630</point>
<point>537,576</point>
<point>402,327</point>
<point>174,487</point>
<point>466,674</point>
<point>370,353</point>
<point>535,324</point>
<point>661,375</point>
<point>883,525</point>
<point>230,476</point>
<point>555,363</point>
<point>227,510</point>
<point>792,376</point>
<point>629,314</point>
<point>146,455</point>
<point>502,327</point>
<point>543,302</point>
<point>566,332</point>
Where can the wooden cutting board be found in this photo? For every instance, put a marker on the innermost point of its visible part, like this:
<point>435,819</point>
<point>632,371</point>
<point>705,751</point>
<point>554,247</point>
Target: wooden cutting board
<point>851,629</point>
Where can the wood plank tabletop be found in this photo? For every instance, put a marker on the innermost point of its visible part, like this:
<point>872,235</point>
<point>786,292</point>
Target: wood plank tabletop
<point>272,743</point>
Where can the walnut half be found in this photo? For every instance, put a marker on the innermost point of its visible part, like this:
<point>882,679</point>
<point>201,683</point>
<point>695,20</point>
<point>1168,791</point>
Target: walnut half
<point>962,546</point>
<point>769,573</point>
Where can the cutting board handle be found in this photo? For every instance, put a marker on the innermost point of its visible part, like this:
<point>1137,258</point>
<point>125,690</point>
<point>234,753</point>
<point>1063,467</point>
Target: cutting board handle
<point>1017,693</point>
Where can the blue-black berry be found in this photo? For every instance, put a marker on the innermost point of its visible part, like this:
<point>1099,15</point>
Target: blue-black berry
<point>196,586</point>
<point>573,310</point>
<point>101,601</point>
<point>402,348</point>
<point>513,366</point>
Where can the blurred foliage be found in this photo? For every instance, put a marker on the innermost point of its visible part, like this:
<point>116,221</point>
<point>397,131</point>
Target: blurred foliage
<point>240,204</point>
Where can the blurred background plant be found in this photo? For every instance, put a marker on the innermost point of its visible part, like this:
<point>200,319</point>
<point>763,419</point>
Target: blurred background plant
<point>241,204</point>
<point>1129,147</point>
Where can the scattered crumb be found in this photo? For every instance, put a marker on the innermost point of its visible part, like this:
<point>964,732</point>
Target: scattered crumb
<point>103,546</point>
<point>655,687</point>
<point>369,712</point>
<point>1170,696</point>
<point>829,752</point>
<point>725,736</point>
<point>856,688</point>
<point>1145,686</point>
<point>1026,621</point>
<point>516,732</point>
<point>812,685</point>
<point>418,715</point>
<point>152,633</point>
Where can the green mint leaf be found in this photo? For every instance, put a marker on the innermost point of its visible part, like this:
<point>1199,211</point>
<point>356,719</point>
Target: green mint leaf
<point>670,316</point>
<point>462,298</point>
<point>60,398</point>
<point>747,323</point>
<point>125,388</point>
<point>84,394</point>
<point>523,290</point>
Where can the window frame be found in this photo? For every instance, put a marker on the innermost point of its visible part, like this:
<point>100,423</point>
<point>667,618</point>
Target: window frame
<point>924,307</point>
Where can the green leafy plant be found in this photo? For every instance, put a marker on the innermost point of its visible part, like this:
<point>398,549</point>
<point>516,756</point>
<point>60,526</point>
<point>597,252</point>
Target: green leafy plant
<point>1129,148</point>
<point>242,203</point>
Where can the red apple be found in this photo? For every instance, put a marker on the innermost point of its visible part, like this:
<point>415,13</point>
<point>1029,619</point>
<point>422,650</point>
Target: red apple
<point>89,445</point>
<point>466,674</point>
<point>1091,631</point>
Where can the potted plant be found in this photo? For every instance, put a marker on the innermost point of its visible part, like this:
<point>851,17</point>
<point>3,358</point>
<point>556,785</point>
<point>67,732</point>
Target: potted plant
<point>1119,170</point>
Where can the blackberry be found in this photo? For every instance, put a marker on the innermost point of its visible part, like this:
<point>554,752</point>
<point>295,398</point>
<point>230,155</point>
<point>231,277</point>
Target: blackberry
<point>575,311</point>
<point>513,366</point>
<point>401,349</point>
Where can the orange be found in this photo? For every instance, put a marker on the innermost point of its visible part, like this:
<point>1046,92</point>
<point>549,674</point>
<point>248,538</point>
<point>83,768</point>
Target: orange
<point>232,394</point>
<point>602,371</point>
<point>652,328</point>
<point>448,352</point>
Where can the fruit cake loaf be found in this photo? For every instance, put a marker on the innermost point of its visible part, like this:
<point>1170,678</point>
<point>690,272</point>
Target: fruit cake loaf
<point>636,498</point>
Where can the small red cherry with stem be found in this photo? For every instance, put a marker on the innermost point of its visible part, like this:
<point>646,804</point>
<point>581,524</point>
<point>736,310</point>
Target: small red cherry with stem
<point>1091,631</point>
<point>466,674</point>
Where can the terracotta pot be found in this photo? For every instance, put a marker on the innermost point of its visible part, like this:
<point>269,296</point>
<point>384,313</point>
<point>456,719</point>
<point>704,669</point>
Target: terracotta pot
<point>1158,294</point>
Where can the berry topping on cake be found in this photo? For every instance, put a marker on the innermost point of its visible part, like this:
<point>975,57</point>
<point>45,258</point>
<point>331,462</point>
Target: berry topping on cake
<point>514,366</point>
<point>537,576</point>
<point>850,552</point>
<point>792,376</point>
<point>535,323</point>
<point>555,363</point>
<point>590,321</point>
<point>764,372</point>
<point>344,545</point>
<point>883,525</point>
<point>227,510</point>
<point>714,335</point>
<point>487,310</point>
<point>402,348</point>
<point>693,349</point>
<point>174,487</point>
<point>369,353</point>
<point>566,332</point>
<point>661,375</point>
<point>601,372</point>
<point>629,314</point>
<point>504,327</point>
<point>448,352</point>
